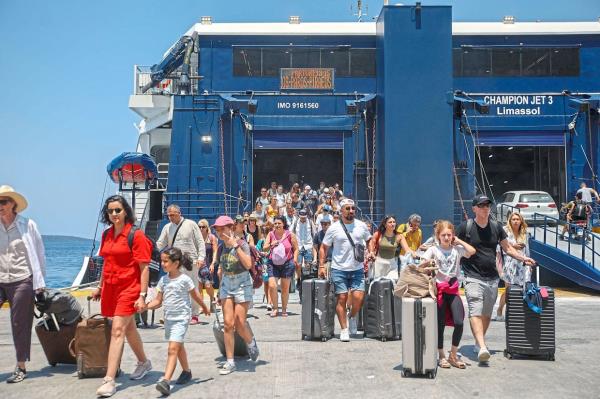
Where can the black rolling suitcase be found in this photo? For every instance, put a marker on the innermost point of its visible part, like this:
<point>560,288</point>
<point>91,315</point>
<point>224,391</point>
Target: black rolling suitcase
<point>383,314</point>
<point>318,309</point>
<point>527,332</point>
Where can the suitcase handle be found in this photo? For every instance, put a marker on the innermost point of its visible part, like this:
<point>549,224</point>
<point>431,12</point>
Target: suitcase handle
<point>72,348</point>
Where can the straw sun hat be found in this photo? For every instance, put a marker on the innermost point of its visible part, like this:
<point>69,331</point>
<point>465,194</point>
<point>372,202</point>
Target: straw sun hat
<point>8,191</point>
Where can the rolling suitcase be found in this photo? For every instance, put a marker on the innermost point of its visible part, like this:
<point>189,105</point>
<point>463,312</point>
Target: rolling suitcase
<point>55,342</point>
<point>90,345</point>
<point>240,347</point>
<point>383,316</point>
<point>527,332</point>
<point>419,337</point>
<point>318,309</point>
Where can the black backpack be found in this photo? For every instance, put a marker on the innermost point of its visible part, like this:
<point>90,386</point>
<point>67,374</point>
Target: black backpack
<point>579,211</point>
<point>62,305</point>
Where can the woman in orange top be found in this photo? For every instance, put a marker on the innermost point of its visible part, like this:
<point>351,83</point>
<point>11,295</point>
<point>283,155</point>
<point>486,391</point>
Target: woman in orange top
<point>272,209</point>
<point>122,288</point>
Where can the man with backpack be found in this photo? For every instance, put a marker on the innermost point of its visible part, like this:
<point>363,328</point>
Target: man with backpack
<point>580,211</point>
<point>185,235</point>
<point>481,283</point>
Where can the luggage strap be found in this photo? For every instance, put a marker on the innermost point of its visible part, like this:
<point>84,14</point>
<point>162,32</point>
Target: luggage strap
<point>533,297</point>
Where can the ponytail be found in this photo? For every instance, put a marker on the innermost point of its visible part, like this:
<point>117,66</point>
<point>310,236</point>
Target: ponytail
<point>176,255</point>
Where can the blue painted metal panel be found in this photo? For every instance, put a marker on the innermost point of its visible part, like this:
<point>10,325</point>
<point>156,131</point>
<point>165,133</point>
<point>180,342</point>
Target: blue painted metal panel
<point>414,80</point>
<point>298,140</point>
<point>565,265</point>
<point>520,138</point>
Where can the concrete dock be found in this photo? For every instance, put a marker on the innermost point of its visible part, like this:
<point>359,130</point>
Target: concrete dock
<point>291,368</point>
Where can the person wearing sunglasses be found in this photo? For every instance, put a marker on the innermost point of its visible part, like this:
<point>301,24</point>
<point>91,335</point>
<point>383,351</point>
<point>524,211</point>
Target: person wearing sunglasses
<point>206,275</point>
<point>22,273</point>
<point>349,238</point>
<point>480,270</point>
<point>122,288</point>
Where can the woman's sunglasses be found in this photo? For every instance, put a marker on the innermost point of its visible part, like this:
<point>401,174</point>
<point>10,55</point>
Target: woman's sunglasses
<point>114,211</point>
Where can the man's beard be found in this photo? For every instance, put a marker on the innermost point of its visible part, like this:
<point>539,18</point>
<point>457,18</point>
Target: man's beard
<point>349,218</point>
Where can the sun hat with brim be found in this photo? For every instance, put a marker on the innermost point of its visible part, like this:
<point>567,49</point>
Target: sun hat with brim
<point>8,191</point>
<point>223,221</point>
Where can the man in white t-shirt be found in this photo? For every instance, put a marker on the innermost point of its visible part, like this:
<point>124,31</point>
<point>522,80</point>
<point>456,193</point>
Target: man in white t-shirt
<point>587,193</point>
<point>347,272</point>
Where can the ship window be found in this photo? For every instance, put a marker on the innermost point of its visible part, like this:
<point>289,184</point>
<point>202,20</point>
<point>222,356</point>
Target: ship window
<point>246,62</point>
<point>516,61</point>
<point>274,59</point>
<point>338,59</point>
<point>305,58</point>
<point>362,62</point>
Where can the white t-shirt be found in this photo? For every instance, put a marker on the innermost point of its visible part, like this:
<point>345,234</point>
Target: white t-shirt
<point>586,194</point>
<point>342,257</point>
<point>448,261</point>
<point>177,304</point>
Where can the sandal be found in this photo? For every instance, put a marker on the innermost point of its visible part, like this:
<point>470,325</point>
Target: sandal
<point>443,363</point>
<point>273,314</point>
<point>457,363</point>
<point>284,314</point>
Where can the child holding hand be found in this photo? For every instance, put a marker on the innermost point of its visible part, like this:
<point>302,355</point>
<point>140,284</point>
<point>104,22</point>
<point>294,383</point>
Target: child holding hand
<point>174,290</point>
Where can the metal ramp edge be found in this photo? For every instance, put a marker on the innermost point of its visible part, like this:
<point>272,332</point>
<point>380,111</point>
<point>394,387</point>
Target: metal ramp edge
<point>565,265</point>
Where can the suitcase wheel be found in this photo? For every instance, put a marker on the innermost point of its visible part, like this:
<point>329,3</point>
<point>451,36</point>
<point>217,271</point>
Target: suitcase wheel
<point>551,357</point>
<point>383,339</point>
<point>323,339</point>
<point>405,373</point>
<point>431,375</point>
<point>507,354</point>
<point>53,364</point>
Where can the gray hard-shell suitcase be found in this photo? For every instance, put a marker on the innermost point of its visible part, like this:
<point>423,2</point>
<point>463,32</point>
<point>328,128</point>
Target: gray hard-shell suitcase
<point>383,311</point>
<point>240,349</point>
<point>419,337</point>
<point>318,309</point>
<point>529,333</point>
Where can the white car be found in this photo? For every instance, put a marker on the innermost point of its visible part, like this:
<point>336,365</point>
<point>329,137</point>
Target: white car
<point>527,203</point>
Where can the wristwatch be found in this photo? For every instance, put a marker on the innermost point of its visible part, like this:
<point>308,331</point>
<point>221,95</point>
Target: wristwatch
<point>143,294</point>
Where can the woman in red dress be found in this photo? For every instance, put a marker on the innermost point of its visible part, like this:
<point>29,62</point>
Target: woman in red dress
<point>122,288</point>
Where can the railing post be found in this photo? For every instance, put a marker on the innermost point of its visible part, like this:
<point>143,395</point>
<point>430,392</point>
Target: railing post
<point>545,225</point>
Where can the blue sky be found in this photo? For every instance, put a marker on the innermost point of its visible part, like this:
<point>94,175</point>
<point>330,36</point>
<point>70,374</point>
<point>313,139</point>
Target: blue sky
<point>67,73</point>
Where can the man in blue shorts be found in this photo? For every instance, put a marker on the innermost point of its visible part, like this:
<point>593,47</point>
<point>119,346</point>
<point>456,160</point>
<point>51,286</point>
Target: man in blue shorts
<point>349,239</point>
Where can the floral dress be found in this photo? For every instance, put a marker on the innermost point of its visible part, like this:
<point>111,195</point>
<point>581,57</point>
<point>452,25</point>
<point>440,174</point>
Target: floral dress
<point>514,271</point>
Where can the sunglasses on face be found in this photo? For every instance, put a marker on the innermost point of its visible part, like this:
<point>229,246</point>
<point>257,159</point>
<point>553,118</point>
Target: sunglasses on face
<point>204,227</point>
<point>4,201</point>
<point>350,208</point>
<point>114,211</point>
<point>480,206</point>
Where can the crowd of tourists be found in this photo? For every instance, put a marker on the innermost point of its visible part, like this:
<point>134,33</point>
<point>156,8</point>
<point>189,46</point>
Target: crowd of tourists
<point>304,231</point>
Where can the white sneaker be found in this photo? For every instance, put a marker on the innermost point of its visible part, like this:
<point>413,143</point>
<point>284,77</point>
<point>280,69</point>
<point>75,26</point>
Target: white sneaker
<point>107,389</point>
<point>352,325</point>
<point>483,356</point>
<point>141,369</point>
<point>344,335</point>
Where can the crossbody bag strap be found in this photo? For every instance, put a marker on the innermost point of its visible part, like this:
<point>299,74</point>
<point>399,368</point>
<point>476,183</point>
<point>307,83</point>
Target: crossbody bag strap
<point>177,231</point>
<point>347,234</point>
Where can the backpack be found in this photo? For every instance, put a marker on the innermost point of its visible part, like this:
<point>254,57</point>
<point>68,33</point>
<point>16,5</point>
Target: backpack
<point>256,270</point>
<point>154,265</point>
<point>310,227</point>
<point>278,256</point>
<point>494,225</point>
<point>62,305</point>
<point>579,211</point>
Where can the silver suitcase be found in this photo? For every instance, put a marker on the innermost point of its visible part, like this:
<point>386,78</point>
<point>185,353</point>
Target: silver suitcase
<point>419,337</point>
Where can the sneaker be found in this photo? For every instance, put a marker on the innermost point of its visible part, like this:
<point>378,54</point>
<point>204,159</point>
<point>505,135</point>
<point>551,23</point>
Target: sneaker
<point>17,376</point>
<point>483,356</point>
<point>163,387</point>
<point>269,308</point>
<point>184,377</point>
<point>344,335</point>
<point>227,368</point>
<point>141,370</point>
<point>352,325</point>
<point>253,351</point>
<point>107,389</point>
<point>194,320</point>
<point>220,365</point>
<point>499,318</point>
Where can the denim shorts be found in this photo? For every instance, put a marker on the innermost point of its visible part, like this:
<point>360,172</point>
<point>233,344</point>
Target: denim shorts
<point>237,286</point>
<point>283,271</point>
<point>345,281</point>
<point>305,255</point>
<point>204,276</point>
<point>175,329</point>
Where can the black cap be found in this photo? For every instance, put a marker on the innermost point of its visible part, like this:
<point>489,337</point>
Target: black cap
<point>481,199</point>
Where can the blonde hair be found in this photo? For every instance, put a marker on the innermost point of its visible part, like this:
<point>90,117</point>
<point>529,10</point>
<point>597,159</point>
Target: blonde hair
<point>203,222</point>
<point>441,225</point>
<point>522,235</point>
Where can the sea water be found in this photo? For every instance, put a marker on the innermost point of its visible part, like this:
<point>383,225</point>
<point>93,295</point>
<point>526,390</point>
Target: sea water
<point>64,257</point>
